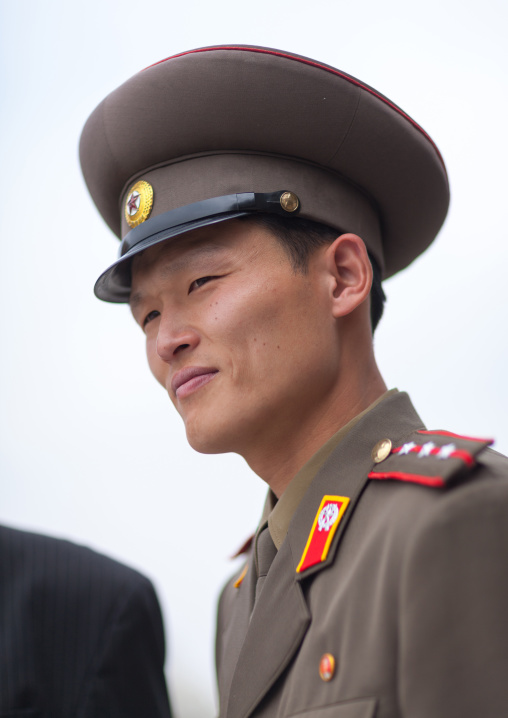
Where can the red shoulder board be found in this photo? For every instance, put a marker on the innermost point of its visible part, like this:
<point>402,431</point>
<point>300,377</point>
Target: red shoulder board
<point>431,458</point>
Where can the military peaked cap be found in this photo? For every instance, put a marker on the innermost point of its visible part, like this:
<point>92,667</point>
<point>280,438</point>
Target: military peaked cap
<point>220,132</point>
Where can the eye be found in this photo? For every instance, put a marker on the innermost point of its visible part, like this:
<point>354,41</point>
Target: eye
<point>197,283</point>
<point>149,317</point>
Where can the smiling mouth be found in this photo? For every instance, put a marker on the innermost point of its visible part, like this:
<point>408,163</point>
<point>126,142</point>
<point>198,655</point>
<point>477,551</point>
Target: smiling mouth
<point>189,380</point>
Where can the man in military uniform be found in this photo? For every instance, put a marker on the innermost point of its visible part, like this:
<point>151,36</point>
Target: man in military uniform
<point>262,197</point>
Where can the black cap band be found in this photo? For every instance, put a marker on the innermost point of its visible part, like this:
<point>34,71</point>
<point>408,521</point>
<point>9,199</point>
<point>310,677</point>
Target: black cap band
<point>165,223</point>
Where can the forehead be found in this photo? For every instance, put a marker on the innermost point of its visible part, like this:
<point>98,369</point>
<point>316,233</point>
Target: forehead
<point>175,254</point>
<point>204,242</point>
<point>235,240</point>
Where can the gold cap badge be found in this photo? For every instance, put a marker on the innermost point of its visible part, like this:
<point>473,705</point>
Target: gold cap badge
<point>138,204</point>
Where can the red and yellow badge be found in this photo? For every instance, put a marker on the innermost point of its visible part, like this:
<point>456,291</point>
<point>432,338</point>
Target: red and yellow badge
<point>323,529</point>
<point>139,202</point>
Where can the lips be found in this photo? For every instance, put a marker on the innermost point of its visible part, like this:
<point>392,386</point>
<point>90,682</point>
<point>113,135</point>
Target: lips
<point>187,380</point>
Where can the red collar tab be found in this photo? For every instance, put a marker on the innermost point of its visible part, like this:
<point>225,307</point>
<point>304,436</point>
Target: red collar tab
<point>328,518</point>
<point>431,458</point>
<point>244,548</point>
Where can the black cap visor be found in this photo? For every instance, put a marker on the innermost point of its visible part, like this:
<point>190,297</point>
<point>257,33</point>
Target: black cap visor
<point>114,285</point>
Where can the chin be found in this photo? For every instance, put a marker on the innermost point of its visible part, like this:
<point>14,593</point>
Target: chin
<point>206,439</point>
<point>213,437</point>
<point>205,444</point>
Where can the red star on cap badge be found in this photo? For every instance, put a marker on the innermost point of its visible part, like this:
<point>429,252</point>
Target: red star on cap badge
<point>133,203</point>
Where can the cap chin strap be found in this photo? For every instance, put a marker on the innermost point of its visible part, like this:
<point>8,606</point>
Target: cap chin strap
<point>236,204</point>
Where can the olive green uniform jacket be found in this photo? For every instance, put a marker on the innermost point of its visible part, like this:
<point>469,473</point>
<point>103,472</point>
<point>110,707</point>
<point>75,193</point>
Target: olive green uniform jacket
<point>411,599</point>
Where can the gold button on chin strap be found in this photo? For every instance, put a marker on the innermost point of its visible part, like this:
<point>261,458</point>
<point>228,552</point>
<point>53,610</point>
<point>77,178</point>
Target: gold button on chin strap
<point>289,202</point>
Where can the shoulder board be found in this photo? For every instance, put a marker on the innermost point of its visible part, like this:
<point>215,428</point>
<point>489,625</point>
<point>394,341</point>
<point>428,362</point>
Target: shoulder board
<point>431,458</point>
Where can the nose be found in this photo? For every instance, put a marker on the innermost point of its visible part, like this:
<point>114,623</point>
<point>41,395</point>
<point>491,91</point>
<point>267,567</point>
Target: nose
<point>174,337</point>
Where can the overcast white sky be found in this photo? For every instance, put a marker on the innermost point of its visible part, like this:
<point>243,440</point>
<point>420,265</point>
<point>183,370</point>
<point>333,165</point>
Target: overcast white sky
<point>90,447</point>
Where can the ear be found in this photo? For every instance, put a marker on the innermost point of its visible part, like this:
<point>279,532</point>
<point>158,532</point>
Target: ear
<point>350,272</point>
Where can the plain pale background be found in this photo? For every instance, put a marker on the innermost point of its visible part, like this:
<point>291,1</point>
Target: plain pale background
<point>90,448</point>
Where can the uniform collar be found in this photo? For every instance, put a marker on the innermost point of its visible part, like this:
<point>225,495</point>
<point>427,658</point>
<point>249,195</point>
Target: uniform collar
<point>279,513</point>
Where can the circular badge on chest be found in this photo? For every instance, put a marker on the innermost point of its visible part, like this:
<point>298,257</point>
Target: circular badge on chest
<point>326,667</point>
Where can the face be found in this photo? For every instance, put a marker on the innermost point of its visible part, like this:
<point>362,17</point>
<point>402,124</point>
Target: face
<point>244,346</point>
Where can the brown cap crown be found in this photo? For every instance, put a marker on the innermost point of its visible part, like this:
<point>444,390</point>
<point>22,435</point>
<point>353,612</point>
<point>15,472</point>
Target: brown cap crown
<point>227,122</point>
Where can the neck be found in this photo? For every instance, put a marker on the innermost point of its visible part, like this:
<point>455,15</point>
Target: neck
<point>281,454</point>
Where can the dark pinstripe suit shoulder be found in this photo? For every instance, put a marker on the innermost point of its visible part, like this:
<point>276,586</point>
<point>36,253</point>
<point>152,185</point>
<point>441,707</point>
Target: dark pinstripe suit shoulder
<point>80,634</point>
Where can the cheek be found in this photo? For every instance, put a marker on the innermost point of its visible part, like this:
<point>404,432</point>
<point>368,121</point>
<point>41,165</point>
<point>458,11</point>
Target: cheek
<point>248,321</point>
<point>277,328</point>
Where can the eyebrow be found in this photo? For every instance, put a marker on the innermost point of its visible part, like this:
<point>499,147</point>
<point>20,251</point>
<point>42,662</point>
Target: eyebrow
<point>172,267</point>
<point>135,299</point>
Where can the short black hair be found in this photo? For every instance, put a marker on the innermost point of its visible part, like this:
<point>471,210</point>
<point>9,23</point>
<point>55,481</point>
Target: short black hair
<point>300,237</point>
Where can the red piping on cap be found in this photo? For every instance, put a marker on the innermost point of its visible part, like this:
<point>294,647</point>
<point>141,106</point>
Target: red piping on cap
<point>350,79</point>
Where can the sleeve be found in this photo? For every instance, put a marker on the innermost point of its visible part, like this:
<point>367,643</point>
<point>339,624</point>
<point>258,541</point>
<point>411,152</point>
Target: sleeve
<point>453,639</point>
<point>126,678</point>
